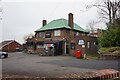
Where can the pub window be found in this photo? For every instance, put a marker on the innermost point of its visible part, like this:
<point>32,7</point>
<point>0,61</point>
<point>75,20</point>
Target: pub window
<point>73,46</point>
<point>83,34</point>
<point>95,43</point>
<point>39,46</point>
<point>41,34</point>
<point>88,44</point>
<point>30,47</point>
<point>57,33</point>
<point>48,35</point>
<point>77,33</point>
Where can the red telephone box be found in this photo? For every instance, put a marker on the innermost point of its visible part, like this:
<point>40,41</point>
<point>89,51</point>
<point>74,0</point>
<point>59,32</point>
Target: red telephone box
<point>78,54</point>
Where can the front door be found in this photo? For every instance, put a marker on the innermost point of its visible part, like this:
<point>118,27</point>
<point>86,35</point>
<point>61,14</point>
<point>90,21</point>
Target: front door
<point>67,49</point>
<point>35,46</point>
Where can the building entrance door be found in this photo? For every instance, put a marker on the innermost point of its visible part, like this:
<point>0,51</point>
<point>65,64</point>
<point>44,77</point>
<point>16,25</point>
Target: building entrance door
<point>67,49</point>
<point>35,46</point>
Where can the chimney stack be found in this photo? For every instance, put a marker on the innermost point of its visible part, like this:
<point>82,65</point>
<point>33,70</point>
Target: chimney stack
<point>44,22</point>
<point>70,20</point>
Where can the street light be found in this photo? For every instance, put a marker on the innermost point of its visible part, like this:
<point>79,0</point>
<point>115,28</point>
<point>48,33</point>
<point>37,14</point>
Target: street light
<point>65,44</point>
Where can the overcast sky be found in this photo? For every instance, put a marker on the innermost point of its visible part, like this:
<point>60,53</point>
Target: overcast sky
<point>22,17</point>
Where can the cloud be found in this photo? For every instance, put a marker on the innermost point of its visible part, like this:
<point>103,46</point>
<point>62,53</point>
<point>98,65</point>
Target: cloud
<point>22,18</point>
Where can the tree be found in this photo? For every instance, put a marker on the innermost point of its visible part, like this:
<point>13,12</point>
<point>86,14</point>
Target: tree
<point>91,26</point>
<point>111,36</point>
<point>116,23</point>
<point>108,9</point>
<point>29,36</point>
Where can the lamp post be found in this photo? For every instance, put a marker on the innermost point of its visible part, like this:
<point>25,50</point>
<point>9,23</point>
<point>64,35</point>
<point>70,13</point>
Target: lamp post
<point>35,41</point>
<point>65,44</point>
<point>65,47</point>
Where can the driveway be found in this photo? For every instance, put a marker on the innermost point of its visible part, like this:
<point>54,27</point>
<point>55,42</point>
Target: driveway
<point>51,66</point>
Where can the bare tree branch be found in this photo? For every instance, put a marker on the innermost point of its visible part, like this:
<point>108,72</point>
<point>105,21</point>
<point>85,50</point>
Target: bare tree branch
<point>108,9</point>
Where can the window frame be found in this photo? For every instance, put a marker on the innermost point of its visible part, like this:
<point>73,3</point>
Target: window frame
<point>72,46</point>
<point>41,35</point>
<point>88,44</point>
<point>57,32</point>
<point>50,34</point>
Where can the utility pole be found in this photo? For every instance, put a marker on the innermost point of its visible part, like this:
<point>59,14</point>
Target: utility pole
<point>1,11</point>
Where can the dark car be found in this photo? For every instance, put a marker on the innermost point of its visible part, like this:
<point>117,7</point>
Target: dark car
<point>3,55</point>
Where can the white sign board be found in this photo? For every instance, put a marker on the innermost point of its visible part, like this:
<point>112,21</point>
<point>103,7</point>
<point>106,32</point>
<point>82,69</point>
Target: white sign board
<point>83,46</point>
<point>81,42</point>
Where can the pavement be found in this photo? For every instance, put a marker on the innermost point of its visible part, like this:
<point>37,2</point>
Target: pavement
<point>22,64</point>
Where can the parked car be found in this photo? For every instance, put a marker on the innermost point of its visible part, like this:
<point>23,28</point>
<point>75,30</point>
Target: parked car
<point>3,55</point>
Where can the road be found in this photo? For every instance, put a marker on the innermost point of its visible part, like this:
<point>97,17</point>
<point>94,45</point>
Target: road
<point>51,66</point>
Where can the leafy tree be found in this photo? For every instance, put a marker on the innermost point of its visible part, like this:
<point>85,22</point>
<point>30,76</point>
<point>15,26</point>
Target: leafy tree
<point>115,24</point>
<point>110,38</point>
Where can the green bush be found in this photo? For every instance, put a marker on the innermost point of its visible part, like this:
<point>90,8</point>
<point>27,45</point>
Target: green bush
<point>110,38</point>
<point>109,50</point>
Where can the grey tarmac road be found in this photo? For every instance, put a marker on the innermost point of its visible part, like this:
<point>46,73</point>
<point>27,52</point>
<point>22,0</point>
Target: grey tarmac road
<point>52,66</point>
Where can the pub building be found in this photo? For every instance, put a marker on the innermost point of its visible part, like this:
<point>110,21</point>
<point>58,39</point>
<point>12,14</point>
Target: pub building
<point>62,37</point>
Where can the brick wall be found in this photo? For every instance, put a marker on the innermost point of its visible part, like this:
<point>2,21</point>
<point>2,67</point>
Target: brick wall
<point>93,47</point>
<point>11,47</point>
<point>70,37</point>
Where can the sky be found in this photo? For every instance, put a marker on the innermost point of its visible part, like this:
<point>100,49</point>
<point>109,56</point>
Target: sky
<point>23,17</point>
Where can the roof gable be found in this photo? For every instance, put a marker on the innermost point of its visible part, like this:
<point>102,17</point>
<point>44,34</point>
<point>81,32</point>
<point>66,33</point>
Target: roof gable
<point>5,43</point>
<point>60,23</point>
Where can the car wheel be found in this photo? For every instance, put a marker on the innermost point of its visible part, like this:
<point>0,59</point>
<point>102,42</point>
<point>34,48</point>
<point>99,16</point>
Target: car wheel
<point>2,56</point>
<point>6,56</point>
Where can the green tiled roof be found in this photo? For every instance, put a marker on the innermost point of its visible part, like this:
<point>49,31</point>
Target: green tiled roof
<point>60,23</point>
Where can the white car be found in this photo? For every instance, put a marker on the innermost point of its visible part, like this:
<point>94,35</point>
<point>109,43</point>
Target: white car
<point>3,55</point>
